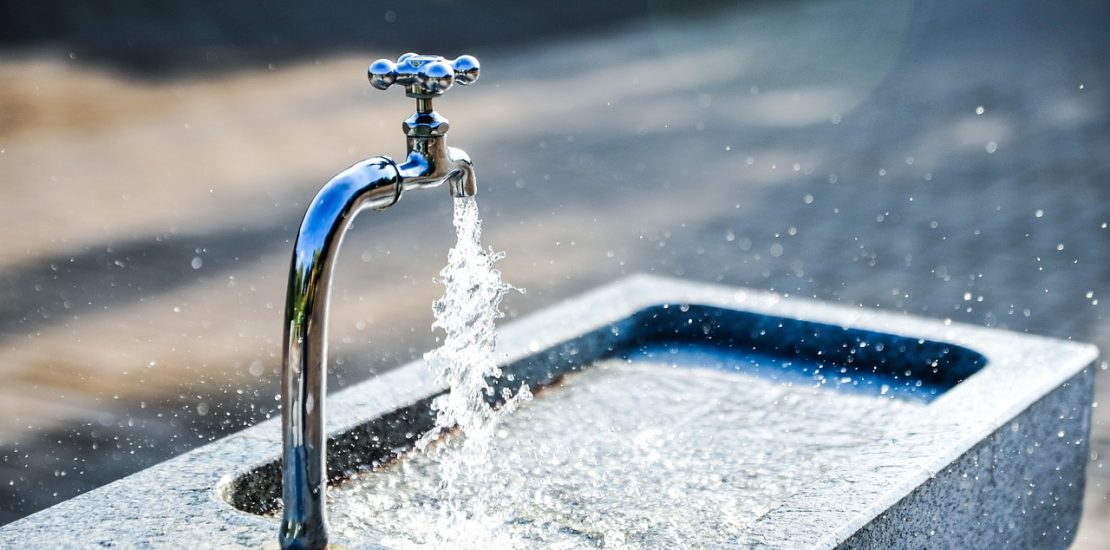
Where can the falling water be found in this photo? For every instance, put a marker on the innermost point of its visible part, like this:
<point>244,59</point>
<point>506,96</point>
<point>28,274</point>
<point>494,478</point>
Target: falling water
<point>466,313</point>
<point>464,363</point>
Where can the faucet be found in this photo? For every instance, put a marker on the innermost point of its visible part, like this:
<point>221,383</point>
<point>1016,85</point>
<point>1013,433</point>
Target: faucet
<point>375,183</point>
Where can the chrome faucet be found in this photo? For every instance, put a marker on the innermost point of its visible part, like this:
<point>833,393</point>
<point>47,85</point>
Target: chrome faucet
<point>374,183</point>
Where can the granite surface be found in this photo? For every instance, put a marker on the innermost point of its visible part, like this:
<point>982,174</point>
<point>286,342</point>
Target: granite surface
<point>999,458</point>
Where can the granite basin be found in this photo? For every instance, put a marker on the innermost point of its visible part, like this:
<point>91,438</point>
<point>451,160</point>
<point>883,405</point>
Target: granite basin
<point>916,433</point>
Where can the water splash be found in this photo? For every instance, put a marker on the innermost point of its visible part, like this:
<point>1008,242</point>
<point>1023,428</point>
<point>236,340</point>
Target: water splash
<point>653,451</point>
<point>631,452</point>
<point>465,363</point>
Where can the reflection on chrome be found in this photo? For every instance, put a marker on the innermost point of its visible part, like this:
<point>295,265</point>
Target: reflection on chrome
<point>374,183</point>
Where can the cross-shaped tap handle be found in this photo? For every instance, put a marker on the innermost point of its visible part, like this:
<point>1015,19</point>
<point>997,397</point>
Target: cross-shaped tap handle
<point>423,76</point>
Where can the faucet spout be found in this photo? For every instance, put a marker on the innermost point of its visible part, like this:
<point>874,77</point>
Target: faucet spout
<point>431,162</point>
<point>375,183</point>
<point>466,183</point>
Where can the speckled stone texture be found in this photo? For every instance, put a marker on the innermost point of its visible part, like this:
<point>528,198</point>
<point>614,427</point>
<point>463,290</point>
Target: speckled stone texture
<point>995,461</point>
<point>1020,488</point>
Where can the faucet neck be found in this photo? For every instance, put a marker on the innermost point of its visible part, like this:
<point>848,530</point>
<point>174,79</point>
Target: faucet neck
<point>425,125</point>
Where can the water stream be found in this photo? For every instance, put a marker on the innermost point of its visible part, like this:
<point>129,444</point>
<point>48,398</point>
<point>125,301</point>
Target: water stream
<point>466,313</point>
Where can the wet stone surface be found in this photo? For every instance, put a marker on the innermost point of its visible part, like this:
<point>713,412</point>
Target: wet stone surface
<point>638,453</point>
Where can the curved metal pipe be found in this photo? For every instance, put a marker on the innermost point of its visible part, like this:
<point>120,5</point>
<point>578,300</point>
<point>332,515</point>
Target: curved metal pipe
<point>374,183</point>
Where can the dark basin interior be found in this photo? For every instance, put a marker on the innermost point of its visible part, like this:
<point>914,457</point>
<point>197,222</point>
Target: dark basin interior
<point>782,349</point>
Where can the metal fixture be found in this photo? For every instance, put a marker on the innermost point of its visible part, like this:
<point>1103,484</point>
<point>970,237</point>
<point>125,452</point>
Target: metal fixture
<point>374,183</point>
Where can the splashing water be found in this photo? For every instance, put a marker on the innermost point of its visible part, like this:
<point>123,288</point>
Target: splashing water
<point>633,452</point>
<point>465,363</point>
<point>652,451</point>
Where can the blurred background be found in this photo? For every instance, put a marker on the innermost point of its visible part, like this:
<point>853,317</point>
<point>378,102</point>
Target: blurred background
<point>949,159</point>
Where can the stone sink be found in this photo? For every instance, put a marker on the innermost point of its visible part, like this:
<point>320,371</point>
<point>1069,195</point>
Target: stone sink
<point>822,426</point>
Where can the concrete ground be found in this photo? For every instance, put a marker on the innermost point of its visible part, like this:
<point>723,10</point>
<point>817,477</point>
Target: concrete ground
<point>944,159</point>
